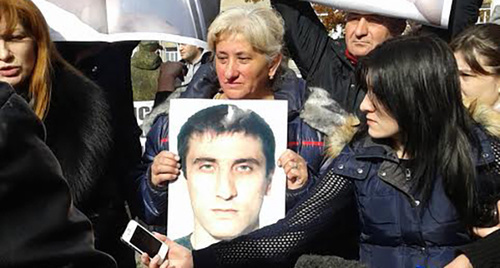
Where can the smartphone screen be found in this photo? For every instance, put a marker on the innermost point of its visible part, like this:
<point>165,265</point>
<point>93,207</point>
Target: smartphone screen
<point>145,242</point>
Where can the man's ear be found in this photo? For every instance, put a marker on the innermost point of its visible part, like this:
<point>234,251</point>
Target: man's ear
<point>275,63</point>
<point>269,180</point>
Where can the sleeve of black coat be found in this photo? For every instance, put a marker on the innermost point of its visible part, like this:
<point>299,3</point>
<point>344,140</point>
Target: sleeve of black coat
<point>39,227</point>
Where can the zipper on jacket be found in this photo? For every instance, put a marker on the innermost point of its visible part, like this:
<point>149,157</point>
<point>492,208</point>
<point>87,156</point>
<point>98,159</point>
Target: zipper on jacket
<point>407,174</point>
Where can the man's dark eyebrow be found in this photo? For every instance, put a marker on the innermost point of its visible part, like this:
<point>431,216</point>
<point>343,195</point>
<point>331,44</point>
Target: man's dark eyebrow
<point>247,160</point>
<point>204,159</point>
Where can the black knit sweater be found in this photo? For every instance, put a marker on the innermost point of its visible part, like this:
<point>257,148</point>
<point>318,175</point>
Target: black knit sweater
<point>309,228</point>
<point>484,253</point>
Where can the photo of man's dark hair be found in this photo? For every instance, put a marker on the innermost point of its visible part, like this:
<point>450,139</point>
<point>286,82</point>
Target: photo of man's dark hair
<point>227,118</point>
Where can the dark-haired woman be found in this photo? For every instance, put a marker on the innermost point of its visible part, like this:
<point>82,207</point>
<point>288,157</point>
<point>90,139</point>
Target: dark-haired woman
<point>420,162</point>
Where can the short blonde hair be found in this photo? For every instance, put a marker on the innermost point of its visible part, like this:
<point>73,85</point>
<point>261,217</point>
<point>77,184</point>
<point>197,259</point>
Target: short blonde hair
<point>261,27</point>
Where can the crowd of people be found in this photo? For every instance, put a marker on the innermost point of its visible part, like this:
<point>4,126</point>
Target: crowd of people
<point>393,155</point>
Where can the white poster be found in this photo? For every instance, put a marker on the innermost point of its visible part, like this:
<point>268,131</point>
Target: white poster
<point>182,21</point>
<point>231,185</point>
<point>431,12</point>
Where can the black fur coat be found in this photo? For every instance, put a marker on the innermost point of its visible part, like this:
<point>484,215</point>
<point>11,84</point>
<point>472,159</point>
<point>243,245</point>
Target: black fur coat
<point>39,227</point>
<point>78,131</point>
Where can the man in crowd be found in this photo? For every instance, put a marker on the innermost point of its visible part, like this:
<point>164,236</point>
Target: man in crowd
<point>192,56</point>
<point>329,64</point>
<point>177,75</point>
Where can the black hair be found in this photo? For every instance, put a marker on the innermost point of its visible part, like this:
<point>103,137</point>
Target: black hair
<point>227,118</point>
<point>415,78</point>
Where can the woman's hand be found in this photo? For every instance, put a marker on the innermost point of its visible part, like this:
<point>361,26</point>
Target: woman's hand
<point>177,256</point>
<point>460,262</point>
<point>483,232</point>
<point>295,169</point>
<point>165,168</point>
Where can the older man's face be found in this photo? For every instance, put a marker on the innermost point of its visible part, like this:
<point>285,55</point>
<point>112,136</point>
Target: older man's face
<point>363,32</point>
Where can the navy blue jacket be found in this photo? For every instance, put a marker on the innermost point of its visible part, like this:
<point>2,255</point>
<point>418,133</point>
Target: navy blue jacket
<point>397,229</point>
<point>302,138</point>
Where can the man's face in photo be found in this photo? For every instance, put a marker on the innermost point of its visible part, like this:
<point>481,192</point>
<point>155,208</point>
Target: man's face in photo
<point>226,178</point>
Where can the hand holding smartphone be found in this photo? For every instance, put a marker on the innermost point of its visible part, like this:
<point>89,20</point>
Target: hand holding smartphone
<point>143,241</point>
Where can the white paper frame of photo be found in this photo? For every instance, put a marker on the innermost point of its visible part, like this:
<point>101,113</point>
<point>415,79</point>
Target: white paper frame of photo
<point>406,9</point>
<point>181,21</point>
<point>274,112</point>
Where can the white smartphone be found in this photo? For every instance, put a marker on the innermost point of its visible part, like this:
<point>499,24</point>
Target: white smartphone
<point>142,240</point>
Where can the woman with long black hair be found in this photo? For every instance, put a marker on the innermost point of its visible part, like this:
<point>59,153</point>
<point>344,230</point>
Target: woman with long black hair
<point>419,163</point>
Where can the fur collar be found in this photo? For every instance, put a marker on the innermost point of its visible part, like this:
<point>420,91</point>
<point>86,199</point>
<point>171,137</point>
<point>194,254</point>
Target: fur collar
<point>321,112</point>
<point>326,115</point>
<point>162,108</point>
<point>485,116</point>
<point>78,130</point>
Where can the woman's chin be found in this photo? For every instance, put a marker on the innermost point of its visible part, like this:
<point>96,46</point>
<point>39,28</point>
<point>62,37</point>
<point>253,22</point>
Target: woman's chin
<point>235,94</point>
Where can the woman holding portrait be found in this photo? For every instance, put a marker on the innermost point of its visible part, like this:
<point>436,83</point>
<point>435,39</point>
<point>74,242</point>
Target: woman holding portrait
<point>247,46</point>
<point>247,65</point>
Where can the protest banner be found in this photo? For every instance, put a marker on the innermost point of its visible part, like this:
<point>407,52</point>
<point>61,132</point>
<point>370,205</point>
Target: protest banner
<point>430,12</point>
<point>141,110</point>
<point>182,21</point>
<point>224,162</point>
<point>495,11</point>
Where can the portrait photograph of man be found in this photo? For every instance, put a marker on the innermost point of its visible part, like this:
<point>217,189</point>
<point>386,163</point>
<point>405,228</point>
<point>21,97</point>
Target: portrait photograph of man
<point>228,156</point>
